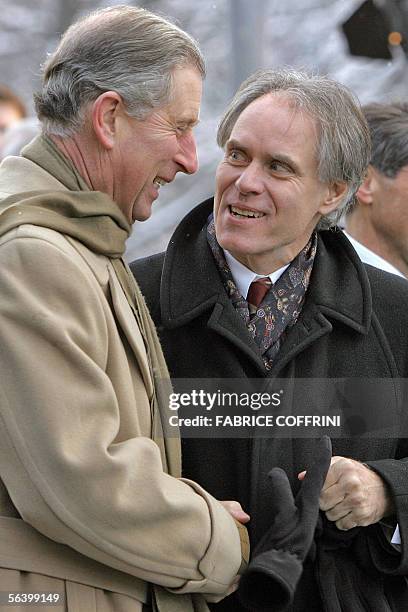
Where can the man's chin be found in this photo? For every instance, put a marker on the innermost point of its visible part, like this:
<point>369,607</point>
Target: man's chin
<point>230,241</point>
<point>142,213</point>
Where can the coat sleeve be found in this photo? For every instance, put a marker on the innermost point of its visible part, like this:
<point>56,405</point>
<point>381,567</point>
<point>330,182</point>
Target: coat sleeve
<point>383,554</point>
<point>70,467</point>
<point>391,328</point>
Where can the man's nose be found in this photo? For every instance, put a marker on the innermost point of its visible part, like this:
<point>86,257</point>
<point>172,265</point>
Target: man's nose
<point>187,154</point>
<point>250,180</point>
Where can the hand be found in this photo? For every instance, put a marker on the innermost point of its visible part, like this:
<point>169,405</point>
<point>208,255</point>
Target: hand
<point>295,519</point>
<point>354,495</point>
<point>276,566</point>
<point>236,511</point>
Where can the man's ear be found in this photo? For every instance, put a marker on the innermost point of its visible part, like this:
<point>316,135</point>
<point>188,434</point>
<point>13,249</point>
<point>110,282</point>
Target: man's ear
<point>335,192</point>
<point>365,191</point>
<point>104,117</point>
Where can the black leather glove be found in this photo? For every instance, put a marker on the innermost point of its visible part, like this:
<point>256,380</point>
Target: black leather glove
<point>272,575</point>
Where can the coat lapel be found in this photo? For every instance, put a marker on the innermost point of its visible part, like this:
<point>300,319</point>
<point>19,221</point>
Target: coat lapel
<point>324,303</point>
<point>128,324</point>
<point>306,331</point>
<point>225,321</point>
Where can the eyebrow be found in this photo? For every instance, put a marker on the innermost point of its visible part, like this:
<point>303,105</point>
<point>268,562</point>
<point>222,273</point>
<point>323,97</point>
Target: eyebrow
<point>188,122</point>
<point>280,157</point>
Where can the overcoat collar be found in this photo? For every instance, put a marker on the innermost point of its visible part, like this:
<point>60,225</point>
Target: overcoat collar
<point>191,285</point>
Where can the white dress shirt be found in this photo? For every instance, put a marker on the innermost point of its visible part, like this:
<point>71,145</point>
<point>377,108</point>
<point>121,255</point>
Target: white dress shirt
<point>372,258</point>
<point>243,276</point>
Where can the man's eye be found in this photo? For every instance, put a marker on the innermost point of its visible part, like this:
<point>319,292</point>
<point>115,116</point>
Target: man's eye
<point>278,166</point>
<point>235,155</point>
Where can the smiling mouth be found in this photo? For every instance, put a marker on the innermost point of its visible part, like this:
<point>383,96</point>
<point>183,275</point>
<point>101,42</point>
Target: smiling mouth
<point>245,213</point>
<point>159,182</point>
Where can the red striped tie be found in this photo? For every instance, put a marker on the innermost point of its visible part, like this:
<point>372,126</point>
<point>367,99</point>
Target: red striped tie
<point>257,290</point>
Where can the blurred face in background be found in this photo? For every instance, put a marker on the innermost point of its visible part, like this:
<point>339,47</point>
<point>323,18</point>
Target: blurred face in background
<point>9,114</point>
<point>385,201</point>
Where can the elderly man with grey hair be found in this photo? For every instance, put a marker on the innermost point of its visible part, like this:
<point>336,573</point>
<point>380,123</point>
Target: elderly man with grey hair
<point>377,224</point>
<point>258,284</point>
<point>93,513</point>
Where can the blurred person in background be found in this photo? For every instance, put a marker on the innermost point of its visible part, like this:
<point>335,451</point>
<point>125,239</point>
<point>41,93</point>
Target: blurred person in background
<point>92,506</point>
<point>256,285</point>
<point>377,224</point>
<point>18,135</point>
<point>12,109</point>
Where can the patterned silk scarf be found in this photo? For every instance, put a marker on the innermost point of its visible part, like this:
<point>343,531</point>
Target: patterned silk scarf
<point>280,307</point>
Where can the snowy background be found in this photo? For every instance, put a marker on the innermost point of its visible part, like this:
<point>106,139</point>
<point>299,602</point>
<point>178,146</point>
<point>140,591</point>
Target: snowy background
<point>237,37</point>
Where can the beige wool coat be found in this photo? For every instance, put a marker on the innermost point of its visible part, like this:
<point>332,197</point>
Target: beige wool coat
<point>86,509</point>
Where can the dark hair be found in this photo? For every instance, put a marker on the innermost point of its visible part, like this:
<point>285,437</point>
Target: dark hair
<point>388,124</point>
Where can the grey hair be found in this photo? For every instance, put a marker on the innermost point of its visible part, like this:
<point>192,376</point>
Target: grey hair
<point>121,48</point>
<point>388,124</point>
<point>343,148</point>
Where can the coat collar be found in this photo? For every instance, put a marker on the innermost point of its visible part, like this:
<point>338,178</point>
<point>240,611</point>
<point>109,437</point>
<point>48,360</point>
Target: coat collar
<point>191,285</point>
<point>190,282</point>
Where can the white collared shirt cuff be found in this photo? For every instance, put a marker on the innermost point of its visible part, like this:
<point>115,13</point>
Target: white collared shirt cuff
<point>396,538</point>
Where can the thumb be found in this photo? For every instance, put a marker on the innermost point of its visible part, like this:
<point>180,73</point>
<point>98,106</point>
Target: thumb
<point>282,499</point>
<point>235,510</point>
<point>308,496</point>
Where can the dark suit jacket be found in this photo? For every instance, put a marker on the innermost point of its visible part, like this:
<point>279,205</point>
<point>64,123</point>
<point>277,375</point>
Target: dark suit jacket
<point>354,323</point>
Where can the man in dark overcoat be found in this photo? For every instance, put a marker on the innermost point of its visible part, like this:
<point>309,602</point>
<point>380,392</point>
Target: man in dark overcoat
<point>257,284</point>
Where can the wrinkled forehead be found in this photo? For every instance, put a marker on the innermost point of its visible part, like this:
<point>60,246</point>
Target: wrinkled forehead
<point>277,120</point>
<point>269,104</point>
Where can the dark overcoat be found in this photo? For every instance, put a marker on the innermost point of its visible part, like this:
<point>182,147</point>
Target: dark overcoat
<point>354,323</point>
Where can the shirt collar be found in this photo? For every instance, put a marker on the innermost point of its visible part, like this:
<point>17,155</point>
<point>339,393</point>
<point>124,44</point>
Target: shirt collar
<point>243,276</point>
<point>369,257</point>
